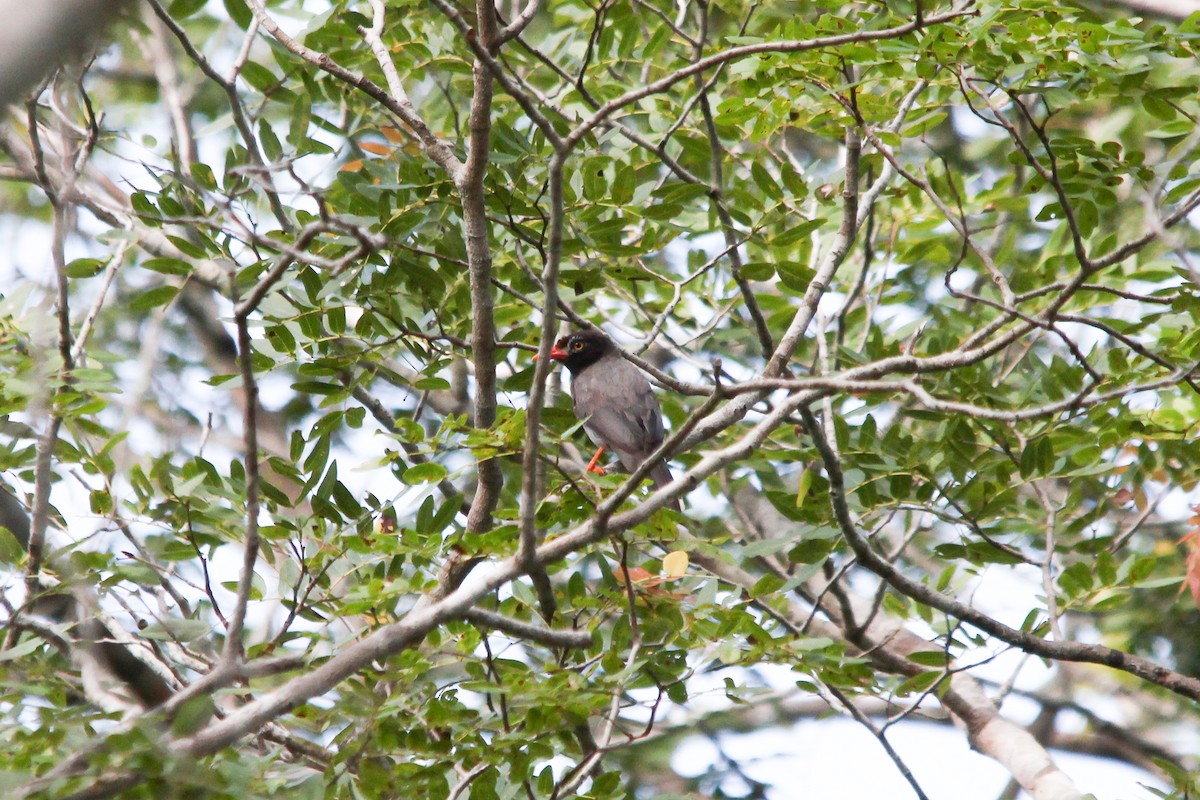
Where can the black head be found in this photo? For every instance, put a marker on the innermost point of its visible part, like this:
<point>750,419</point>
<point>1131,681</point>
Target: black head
<point>581,349</point>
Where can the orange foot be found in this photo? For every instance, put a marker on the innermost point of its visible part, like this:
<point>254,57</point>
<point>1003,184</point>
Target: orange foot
<point>591,467</point>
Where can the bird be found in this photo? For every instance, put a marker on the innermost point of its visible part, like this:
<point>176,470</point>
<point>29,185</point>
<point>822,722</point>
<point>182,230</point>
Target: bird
<point>613,398</point>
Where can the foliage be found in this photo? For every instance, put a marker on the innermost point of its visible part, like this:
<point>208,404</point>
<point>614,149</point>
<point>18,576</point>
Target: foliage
<point>919,283</point>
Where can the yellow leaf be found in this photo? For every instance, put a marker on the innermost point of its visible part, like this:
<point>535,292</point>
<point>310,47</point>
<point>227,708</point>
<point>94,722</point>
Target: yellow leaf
<point>804,484</point>
<point>675,563</point>
<point>352,166</point>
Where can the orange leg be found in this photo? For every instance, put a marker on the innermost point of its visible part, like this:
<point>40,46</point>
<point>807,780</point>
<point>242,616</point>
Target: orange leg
<point>591,467</point>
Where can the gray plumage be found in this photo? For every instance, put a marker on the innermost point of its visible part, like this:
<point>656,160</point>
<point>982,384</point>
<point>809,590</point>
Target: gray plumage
<point>613,397</point>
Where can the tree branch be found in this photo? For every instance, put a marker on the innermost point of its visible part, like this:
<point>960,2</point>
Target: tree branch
<point>1029,643</point>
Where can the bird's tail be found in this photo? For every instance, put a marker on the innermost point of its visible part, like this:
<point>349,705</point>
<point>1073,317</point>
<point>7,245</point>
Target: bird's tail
<point>661,476</point>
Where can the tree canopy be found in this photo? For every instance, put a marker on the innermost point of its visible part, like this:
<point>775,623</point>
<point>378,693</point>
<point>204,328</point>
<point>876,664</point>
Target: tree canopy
<point>291,510</point>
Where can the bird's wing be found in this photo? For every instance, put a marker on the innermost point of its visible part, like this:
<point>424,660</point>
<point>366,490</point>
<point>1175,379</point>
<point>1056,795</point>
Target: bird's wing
<point>620,409</point>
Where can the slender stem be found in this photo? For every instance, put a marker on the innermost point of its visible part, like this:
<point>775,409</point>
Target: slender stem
<point>233,643</point>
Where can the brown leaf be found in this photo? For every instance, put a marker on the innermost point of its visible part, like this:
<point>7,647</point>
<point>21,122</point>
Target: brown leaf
<point>637,575</point>
<point>1193,574</point>
<point>376,148</point>
<point>394,135</point>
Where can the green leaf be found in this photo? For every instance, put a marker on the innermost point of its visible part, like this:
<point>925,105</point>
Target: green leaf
<point>85,267</point>
<point>929,658</point>
<point>428,472</point>
<point>23,648</point>
<point>192,715</point>
<point>11,551</point>
<point>168,266</point>
<point>239,12</point>
<point>258,76</point>
<point>153,298</point>
<point>183,630</point>
<point>180,9</point>
<point>919,683</point>
<point>101,502</point>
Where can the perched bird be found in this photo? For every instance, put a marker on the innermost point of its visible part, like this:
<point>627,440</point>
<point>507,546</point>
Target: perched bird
<point>614,399</point>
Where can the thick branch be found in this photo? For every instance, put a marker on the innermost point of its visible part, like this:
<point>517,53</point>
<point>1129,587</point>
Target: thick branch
<point>470,183</point>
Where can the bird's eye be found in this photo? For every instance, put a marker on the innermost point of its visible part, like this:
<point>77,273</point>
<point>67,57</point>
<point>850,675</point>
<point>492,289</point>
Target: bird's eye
<point>576,346</point>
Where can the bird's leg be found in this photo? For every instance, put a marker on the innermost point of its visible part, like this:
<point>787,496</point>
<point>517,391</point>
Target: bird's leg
<point>591,467</point>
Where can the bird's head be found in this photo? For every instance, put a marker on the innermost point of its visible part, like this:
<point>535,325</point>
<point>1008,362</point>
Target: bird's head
<point>581,349</point>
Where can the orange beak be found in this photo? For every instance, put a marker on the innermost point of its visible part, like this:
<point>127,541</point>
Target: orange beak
<point>556,353</point>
